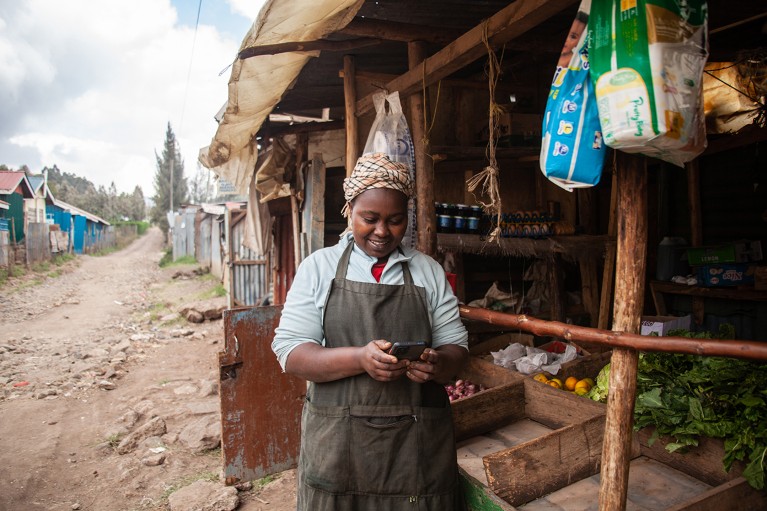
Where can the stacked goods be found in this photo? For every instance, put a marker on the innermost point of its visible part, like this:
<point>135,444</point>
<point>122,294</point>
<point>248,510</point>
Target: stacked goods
<point>525,224</point>
<point>570,384</point>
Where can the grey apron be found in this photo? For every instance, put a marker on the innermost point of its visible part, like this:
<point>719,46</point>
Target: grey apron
<point>368,445</point>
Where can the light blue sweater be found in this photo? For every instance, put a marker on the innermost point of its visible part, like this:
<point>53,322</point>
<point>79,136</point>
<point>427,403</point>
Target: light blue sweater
<point>302,314</point>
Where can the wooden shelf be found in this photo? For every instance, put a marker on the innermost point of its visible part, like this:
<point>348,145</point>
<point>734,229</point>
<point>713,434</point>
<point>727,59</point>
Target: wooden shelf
<point>698,294</point>
<point>574,247</point>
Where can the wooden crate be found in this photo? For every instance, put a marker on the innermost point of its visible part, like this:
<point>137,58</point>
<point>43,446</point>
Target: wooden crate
<point>543,439</point>
<point>586,365</point>
<point>557,466</point>
<point>483,411</point>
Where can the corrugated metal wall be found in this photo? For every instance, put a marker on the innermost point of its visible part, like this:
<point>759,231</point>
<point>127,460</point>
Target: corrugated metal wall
<point>38,242</point>
<point>250,271</point>
<point>216,257</point>
<point>202,242</point>
<point>183,235</point>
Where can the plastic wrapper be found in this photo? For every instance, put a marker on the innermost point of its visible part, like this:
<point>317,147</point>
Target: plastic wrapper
<point>572,150</point>
<point>647,59</point>
<point>528,360</point>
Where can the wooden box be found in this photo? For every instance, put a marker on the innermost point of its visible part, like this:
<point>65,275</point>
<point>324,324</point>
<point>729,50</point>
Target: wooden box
<point>552,461</point>
<point>481,412</point>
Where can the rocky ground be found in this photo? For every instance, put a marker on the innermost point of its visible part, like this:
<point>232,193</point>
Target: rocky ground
<point>109,396</point>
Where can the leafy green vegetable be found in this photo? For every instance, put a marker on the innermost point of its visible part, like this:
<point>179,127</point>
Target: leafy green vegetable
<point>599,391</point>
<point>686,397</point>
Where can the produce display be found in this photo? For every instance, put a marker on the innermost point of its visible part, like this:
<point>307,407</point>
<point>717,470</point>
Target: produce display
<point>687,396</point>
<point>463,388</point>
<point>572,384</point>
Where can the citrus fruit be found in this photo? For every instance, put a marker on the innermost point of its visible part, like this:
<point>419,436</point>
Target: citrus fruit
<point>581,391</point>
<point>583,385</point>
<point>555,383</point>
<point>541,378</point>
<point>589,381</point>
<point>570,383</point>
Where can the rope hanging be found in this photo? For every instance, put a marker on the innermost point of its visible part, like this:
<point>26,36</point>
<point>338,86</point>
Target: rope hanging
<point>488,177</point>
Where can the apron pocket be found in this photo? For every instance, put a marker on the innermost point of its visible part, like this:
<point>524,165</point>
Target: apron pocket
<point>383,458</point>
<point>325,447</point>
<point>437,448</point>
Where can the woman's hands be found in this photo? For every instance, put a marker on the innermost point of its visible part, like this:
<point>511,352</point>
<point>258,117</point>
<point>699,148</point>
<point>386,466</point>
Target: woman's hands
<point>439,365</point>
<point>381,366</point>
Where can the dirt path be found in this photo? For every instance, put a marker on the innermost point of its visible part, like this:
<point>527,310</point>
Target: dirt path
<point>90,357</point>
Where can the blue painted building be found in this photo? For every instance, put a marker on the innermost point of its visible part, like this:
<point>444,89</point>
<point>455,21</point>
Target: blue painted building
<point>87,232</point>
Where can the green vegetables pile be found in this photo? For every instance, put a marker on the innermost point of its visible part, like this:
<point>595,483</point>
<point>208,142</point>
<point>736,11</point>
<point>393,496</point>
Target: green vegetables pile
<point>686,397</point>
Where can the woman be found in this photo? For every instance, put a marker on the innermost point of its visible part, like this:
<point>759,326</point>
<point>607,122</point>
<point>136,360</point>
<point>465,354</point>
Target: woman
<point>376,432</point>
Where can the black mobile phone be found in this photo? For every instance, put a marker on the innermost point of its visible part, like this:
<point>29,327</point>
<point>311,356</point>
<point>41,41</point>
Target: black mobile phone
<point>407,350</point>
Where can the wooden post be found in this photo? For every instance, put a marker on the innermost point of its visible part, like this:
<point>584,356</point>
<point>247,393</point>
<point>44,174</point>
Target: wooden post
<point>426,221</point>
<point>608,274</point>
<point>557,288</point>
<point>631,180</point>
<point>350,103</point>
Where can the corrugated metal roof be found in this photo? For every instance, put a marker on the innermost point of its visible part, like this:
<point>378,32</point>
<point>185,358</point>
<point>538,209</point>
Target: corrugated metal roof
<point>9,181</point>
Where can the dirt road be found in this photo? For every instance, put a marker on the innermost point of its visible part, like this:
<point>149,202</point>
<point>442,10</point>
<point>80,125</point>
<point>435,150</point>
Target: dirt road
<point>89,358</point>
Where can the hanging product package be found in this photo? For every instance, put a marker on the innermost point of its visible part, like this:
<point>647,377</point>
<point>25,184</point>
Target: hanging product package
<point>572,152</point>
<point>647,59</point>
<point>390,135</point>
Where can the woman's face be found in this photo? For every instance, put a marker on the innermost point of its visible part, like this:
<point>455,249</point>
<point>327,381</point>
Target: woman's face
<point>379,221</point>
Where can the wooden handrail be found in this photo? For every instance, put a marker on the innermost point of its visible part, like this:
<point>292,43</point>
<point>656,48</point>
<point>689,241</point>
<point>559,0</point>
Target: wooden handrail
<point>752,350</point>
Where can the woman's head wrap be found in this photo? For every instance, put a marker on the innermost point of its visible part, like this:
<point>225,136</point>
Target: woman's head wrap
<point>376,171</point>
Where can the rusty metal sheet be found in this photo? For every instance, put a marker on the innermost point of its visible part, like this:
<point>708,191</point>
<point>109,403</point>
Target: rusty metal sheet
<point>260,405</point>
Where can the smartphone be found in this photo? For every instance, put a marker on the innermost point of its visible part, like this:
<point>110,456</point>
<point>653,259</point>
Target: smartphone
<point>407,350</point>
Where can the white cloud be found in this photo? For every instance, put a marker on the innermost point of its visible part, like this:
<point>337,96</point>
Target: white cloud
<point>90,86</point>
<point>248,8</point>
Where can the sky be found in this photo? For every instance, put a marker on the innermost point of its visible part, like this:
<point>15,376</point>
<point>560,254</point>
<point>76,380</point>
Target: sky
<point>91,85</point>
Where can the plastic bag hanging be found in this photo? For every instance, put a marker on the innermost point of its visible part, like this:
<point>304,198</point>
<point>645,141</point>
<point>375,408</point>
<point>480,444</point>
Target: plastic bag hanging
<point>390,135</point>
<point>572,151</point>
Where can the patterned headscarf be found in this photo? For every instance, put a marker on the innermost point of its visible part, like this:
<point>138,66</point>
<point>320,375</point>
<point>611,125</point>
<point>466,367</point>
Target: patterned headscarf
<point>376,171</point>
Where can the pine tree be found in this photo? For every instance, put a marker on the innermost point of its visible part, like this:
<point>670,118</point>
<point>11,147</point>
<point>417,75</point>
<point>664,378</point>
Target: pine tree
<point>171,159</point>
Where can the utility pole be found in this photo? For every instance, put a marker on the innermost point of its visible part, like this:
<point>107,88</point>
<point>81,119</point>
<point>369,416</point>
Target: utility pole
<point>172,155</point>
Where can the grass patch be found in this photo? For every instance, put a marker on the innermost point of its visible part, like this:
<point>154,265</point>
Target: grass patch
<point>257,485</point>
<point>216,291</point>
<point>41,267</point>
<point>167,260</point>
<point>63,259</point>
<point>55,273</point>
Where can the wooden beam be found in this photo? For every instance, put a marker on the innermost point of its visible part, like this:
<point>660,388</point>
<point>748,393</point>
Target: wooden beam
<point>381,79</point>
<point>748,350</point>
<point>426,222</point>
<point>350,101</point>
<point>394,31</point>
<point>306,127</point>
<point>319,45</point>
<point>631,265</point>
<point>507,24</point>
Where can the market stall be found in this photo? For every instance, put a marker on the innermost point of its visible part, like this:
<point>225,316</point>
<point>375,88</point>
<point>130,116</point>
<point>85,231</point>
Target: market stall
<point>473,80</point>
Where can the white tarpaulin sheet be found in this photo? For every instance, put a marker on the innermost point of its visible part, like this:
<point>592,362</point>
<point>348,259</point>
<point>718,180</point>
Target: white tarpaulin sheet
<point>258,83</point>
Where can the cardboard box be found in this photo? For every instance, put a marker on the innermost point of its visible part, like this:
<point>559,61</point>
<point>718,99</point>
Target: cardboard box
<point>726,274</point>
<point>743,251</point>
<point>661,325</point>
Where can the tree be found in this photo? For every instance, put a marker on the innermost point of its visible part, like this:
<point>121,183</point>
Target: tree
<point>170,167</point>
<point>200,188</point>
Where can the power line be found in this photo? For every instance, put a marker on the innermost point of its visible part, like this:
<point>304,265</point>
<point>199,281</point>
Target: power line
<point>189,70</point>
